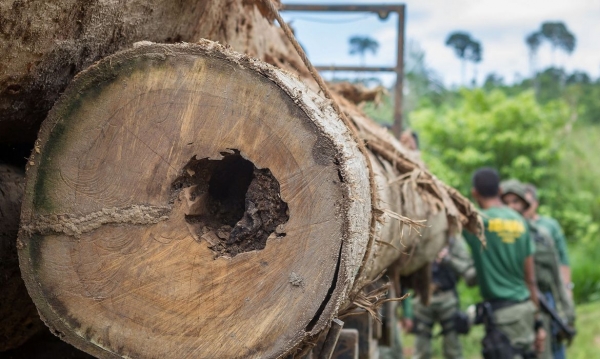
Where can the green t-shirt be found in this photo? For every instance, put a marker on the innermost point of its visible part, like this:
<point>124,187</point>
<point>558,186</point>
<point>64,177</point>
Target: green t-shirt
<point>407,307</point>
<point>500,265</point>
<point>560,243</point>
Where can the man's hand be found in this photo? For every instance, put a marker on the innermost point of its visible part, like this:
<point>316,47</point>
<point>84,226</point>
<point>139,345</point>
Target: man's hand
<point>442,254</point>
<point>540,338</point>
<point>407,325</point>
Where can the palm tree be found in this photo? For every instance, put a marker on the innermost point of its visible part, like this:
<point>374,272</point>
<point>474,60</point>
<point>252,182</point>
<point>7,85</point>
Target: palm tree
<point>361,45</point>
<point>466,49</point>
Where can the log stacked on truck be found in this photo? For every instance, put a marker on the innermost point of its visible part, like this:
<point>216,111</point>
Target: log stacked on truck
<point>191,200</point>
<point>186,200</point>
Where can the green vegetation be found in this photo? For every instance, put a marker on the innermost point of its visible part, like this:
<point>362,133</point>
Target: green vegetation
<point>383,113</point>
<point>545,130</point>
<point>516,135</point>
<point>549,139</point>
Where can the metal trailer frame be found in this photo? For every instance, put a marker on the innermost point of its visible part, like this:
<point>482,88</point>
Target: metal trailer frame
<point>383,12</point>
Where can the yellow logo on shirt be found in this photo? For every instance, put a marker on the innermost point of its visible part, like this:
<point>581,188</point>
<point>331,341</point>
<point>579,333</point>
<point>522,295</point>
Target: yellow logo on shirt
<point>507,229</point>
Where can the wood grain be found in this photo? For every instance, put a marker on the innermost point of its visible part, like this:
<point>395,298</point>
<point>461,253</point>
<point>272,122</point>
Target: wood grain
<point>113,265</point>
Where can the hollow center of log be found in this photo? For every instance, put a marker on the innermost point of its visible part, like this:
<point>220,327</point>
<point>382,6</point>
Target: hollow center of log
<point>232,205</point>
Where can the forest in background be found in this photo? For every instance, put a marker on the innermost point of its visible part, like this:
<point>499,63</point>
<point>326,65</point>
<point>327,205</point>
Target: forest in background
<point>543,129</point>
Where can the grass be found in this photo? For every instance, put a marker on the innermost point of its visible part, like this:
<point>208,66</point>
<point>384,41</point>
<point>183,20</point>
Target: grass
<point>578,174</point>
<point>382,113</point>
<point>585,346</point>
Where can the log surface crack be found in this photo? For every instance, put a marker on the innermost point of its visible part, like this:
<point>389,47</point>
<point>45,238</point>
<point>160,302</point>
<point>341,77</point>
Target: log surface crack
<point>73,225</point>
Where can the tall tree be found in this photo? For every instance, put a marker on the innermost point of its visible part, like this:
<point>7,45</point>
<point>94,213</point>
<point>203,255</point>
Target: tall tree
<point>474,54</point>
<point>422,83</point>
<point>361,45</point>
<point>493,81</point>
<point>533,41</point>
<point>559,37</point>
<point>465,48</point>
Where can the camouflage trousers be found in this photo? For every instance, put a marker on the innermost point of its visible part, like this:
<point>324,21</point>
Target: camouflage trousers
<point>517,321</point>
<point>441,309</point>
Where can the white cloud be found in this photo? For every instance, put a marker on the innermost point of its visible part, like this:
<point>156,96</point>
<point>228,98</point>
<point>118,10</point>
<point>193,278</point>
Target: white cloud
<point>501,26</point>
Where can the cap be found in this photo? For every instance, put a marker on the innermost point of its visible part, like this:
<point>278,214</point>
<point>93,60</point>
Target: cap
<point>515,187</point>
<point>530,188</point>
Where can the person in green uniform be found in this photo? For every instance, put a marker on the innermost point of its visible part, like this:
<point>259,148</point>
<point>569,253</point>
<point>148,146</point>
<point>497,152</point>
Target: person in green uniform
<point>453,262</point>
<point>505,267</point>
<point>552,226</point>
<point>547,267</point>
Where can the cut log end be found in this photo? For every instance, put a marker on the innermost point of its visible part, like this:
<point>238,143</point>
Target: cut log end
<point>187,201</point>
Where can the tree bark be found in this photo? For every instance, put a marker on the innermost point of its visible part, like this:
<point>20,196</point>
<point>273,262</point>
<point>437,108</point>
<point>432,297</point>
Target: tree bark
<point>44,44</point>
<point>186,200</point>
<point>18,316</point>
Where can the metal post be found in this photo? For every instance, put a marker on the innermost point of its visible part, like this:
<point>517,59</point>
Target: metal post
<point>382,11</point>
<point>399,89</point>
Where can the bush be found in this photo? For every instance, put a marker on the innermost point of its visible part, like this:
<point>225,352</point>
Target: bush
<point>514,135</point>
<point>525,140</point>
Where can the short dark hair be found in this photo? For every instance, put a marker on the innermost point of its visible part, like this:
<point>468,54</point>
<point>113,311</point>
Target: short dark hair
<point>486,182</point>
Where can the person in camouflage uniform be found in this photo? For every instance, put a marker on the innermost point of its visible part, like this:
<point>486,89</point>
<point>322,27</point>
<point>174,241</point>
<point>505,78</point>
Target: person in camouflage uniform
<point>547,267</point>
<point>453,262</point>
<point>552,226</point>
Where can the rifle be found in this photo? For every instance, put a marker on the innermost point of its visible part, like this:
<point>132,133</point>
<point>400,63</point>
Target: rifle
<point>565,330</point>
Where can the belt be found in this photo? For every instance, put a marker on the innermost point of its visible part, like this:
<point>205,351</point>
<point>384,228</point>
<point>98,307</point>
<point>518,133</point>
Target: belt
<point>498,304</point>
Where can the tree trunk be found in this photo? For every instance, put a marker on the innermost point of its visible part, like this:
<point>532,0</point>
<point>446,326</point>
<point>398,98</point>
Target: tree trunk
<point>18,316</point>
<point>44,44</point>
<point>185,200</point>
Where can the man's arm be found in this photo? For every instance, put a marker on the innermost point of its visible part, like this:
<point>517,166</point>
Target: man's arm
<point>565,269</point>
<point>540,333</point>
<point>565,274</point>
<point>529,267</point>
<point>461,261</point>
<point>563,254</point>
<point>407,314</point>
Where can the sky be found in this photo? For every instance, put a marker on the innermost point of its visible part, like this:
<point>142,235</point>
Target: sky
<point>500,26</point>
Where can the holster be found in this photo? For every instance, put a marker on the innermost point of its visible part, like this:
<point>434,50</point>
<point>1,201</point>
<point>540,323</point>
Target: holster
<point>462,325</point>
<point>422,327</point>
<point>496,344</point>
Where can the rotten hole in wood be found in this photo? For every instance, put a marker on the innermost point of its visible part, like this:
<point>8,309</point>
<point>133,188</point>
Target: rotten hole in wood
<point>232,205</point>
